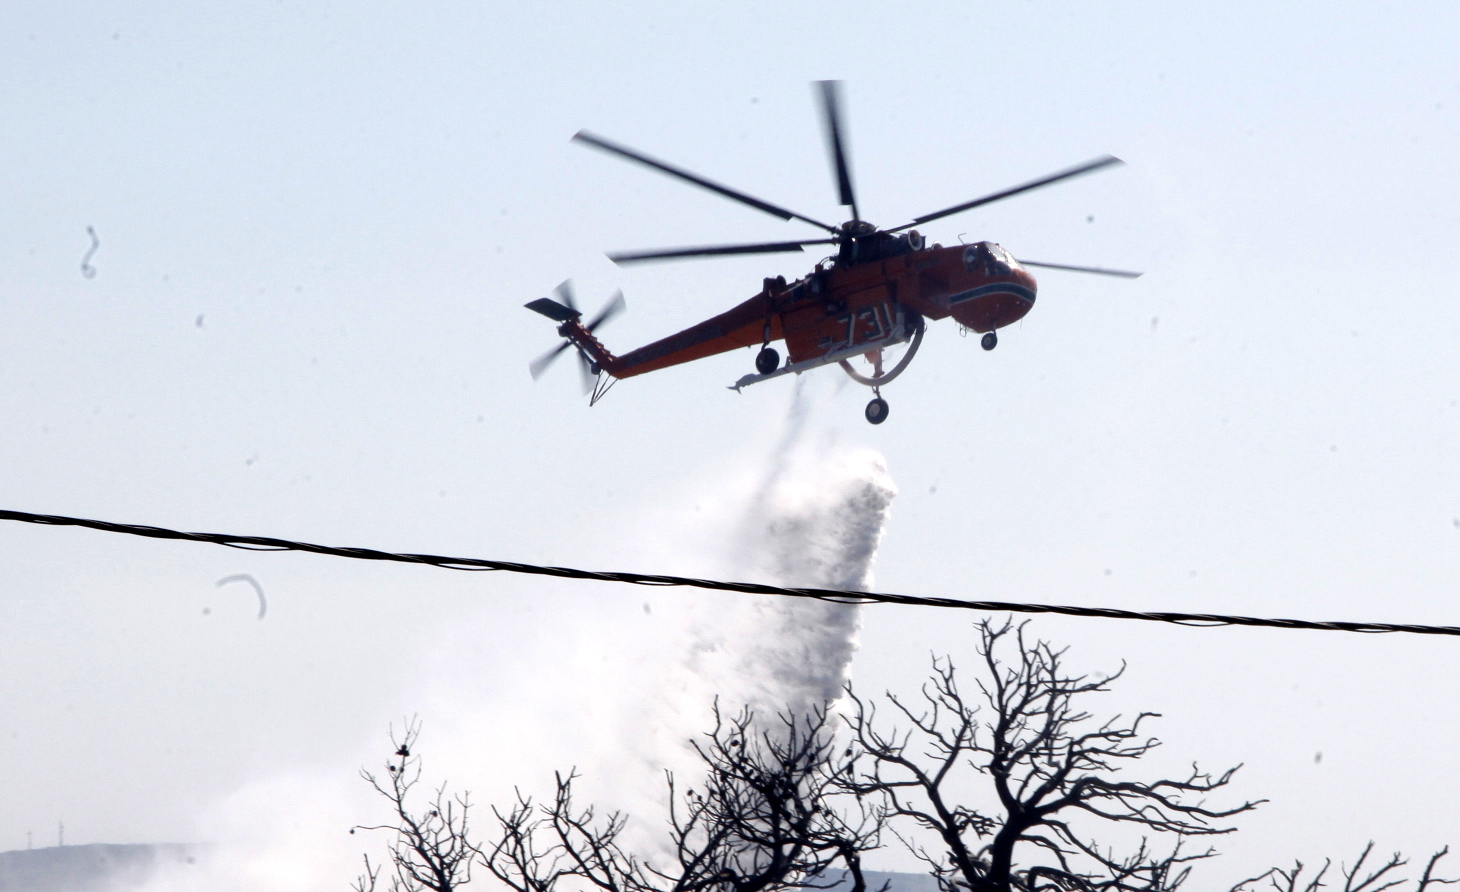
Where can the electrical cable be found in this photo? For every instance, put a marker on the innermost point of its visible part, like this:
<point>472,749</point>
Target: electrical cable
<point>265,543</point>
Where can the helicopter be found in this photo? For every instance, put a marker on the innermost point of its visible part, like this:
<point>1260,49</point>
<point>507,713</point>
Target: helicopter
<point>877,290</point>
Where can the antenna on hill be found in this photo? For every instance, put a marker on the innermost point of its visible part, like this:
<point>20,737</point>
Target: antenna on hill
<point>60,833</point>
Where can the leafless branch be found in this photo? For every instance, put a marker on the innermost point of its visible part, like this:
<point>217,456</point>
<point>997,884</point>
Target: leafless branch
<point>1027,735</point>
<point>1355,879</point>
<point>760,821</point>
<point>366,881</point>
<point>1429,875</point>
<point>431,850</point>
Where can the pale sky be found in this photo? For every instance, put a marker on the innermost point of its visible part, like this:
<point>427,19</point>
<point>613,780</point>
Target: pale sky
<point>318,224</point>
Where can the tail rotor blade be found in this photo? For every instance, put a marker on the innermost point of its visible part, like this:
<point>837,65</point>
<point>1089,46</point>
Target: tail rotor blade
<point>565,294</point>
<point>540,365</point>
<point>586,372</point>
<point>614,306</point>
<point>831,117</point>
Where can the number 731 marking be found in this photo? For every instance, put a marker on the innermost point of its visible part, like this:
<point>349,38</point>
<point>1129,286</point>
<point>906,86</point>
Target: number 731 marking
<point>878,316</point>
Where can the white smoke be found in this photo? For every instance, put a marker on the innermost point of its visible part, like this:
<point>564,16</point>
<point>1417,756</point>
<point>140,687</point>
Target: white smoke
<point>598,683</point>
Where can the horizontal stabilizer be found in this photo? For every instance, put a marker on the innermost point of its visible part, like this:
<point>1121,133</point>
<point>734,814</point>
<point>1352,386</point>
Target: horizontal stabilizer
<point>553,310</point>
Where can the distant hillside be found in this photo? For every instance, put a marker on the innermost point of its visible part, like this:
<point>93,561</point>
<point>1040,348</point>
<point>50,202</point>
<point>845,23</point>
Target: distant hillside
<point>94,868</point>
<point>896,882</point>
<point>104,868</point>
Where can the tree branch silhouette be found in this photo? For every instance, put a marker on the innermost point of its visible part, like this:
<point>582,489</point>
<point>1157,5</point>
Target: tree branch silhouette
<point>1027,737</point>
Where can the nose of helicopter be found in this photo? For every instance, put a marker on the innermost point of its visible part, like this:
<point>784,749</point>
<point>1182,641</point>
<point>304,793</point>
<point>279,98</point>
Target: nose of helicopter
<point>1006,294</point>
<point>1024,277</point>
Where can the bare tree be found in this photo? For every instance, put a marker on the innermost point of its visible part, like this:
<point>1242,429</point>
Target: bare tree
<point>431,850</point>
<point>792,807</point>
<point>760,822</point>
<point>1048,765</point>
<point>1357,878</point>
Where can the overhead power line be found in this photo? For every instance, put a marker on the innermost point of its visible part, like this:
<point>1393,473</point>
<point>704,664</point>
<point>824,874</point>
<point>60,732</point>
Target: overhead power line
<point>265,543</point>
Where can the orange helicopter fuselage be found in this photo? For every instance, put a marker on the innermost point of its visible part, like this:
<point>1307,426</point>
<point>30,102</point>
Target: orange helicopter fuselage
<point>836,309</point>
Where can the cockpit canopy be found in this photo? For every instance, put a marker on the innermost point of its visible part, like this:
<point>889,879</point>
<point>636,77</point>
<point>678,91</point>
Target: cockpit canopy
<point>989,258</point>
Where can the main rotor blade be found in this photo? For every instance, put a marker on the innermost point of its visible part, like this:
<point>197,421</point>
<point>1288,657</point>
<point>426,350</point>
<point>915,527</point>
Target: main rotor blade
<point>1123,273</point>
<point>715,251</point>
<point>1087,167</point>
<point>539,365</point>
<point>831,118</point>
<point>626,152</point>
<point>614,306</point>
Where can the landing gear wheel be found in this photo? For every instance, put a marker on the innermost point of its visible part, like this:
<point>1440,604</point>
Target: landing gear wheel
<point>767,360</point>
<point>990,341</point>
<point>877,411</point>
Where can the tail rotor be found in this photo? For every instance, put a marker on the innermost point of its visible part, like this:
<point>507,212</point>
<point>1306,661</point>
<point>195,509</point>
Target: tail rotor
<point>565,311</point>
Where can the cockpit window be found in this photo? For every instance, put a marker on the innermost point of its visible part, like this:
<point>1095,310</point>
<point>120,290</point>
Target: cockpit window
<point>1002,256</point>
<point>989,258</point>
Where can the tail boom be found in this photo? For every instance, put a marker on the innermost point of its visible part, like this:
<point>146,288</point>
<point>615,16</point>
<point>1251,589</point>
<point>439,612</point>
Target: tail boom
<point>743,326</point>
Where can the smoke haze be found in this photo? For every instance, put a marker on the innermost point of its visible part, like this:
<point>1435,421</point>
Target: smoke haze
<point>613,686</point>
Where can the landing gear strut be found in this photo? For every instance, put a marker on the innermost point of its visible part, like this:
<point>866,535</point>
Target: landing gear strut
<point>990,341</point>
<point>767,360</point>
<point>877,409</point>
